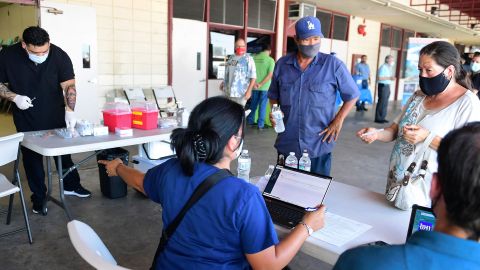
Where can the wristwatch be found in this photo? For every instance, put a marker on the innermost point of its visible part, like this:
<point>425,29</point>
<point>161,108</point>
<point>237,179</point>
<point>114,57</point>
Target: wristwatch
<point>309,229</point>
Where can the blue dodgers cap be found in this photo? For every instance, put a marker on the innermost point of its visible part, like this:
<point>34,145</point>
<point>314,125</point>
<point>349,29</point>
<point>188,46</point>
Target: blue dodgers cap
<point>308,26</point>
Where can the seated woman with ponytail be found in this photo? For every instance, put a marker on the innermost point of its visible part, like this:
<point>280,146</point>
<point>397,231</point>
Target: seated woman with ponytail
<point>229,227</point>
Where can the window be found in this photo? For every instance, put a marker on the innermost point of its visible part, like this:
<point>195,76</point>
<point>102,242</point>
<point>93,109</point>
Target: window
<point>189,9</point>
<point>222,45</point>
<point>226,12</point>
<point>386,37</point>
<point>338,21</point>
<point>340,26</point>
<point>396,38</point>
<point>326,21</point>
<point>261,14</point>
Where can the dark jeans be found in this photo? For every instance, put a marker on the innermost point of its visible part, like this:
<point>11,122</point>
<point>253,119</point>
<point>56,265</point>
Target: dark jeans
<point>382,105</point>
<point>320,165</point>
<point>33,164</point>
<point>259,100</point>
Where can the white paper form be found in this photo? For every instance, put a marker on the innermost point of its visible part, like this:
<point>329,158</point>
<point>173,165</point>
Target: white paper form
<point>340,230</point>
<point>300,189</point>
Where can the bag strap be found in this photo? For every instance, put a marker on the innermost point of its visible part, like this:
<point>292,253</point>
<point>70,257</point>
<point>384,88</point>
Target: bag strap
<point>197,194</point>
<point>203,188</point>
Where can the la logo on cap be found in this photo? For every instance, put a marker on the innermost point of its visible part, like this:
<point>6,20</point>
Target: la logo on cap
<point>310,25</point>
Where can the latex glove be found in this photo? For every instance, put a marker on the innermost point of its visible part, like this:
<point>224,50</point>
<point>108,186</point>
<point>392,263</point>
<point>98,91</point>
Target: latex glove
<point>70,120</point>
<point>22,102</point>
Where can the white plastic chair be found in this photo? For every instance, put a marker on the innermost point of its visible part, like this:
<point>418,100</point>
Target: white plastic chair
<point>90,247</point>
<point>134,94</point>
<point>9,146</point>
<point>165,99</point>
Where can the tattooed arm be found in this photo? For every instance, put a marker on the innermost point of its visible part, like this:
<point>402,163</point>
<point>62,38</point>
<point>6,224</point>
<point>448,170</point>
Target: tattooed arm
<point>6,93</point>
<point>70,94</point>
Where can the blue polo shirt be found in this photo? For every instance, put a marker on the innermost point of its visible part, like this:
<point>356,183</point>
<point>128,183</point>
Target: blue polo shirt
<point>385,70</point>
<point>423,250</point>
<point>307,99</point>
<point>229,221</point>
<point>363,70</point>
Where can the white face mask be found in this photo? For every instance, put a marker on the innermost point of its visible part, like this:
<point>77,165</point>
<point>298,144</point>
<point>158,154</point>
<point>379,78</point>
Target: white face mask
<point>239,149</point>
<point>475,67</point>
<point>36,58</point>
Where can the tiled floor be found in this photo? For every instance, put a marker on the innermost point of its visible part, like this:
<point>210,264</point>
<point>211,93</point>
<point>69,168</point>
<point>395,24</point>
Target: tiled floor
<point>131,226</point>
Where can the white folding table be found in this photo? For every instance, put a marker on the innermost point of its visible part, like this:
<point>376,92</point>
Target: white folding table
<point>388,223</point>
<point>47,144</point>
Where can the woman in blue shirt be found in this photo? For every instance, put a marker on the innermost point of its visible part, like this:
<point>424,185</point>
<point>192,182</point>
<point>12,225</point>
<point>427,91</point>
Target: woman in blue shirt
<point>229,227</point>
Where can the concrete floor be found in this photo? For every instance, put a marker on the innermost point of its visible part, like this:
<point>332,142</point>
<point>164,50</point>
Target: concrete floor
<point>131,226</point>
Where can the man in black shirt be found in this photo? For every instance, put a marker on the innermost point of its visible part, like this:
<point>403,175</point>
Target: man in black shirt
<point>38,77</point>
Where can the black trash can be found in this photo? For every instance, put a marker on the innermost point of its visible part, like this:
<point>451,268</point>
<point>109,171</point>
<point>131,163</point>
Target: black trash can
<point>112,186</point>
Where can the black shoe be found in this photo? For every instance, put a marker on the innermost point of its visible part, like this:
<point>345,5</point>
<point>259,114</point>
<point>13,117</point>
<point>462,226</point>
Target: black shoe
<point>359,109</point>
<point>385,121</point>
<point>37,209</point>
<point>79,192</point>
<point>381,121</point>
<point>365,109</point>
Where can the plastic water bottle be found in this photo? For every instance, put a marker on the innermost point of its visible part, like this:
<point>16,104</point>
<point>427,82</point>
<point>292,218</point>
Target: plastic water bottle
<point>291,161</point>
<point>269,171</point>
<point>278,117</point>
<point>305,163</point>
<point>244,164</point>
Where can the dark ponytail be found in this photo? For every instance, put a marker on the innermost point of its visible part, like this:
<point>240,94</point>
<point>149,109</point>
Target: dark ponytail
<point>445,54</point>
<point>212,123</point>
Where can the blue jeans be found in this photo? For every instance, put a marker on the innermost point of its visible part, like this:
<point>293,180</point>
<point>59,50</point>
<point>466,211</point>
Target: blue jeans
<point>258,100</point>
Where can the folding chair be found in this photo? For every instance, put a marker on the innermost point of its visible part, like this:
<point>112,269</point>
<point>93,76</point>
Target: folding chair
<point>10,146</point>
<point>165,99</point>
<point>134,94</point>
<point>90,247</point>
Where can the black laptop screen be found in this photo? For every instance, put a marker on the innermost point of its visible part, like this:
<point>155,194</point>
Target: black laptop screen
<point>297,187</point>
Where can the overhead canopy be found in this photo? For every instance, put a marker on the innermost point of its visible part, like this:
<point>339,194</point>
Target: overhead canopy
<point>415,19</point>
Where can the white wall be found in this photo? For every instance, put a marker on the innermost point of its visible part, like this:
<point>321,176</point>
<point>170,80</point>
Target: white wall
<point>132,43</point>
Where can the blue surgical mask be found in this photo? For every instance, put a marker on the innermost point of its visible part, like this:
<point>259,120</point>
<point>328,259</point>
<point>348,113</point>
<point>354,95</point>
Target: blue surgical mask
<point>475,67</point>
<point>37,58</point>
<point>309,51</point>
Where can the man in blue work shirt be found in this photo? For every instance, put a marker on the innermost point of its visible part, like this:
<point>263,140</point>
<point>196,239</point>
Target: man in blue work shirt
<point>363,70</point>
<point>305,84</point>
<point>454,243</point>
<point>385,79</point>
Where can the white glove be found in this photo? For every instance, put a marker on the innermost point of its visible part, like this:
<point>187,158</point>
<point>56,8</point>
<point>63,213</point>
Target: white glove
<point>70,120</point>
<point>22,102</point>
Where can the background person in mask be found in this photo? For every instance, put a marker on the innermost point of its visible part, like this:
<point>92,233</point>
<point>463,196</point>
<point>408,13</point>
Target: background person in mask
<point>444,103</point>
<point>385,79</point>
<point>305,85</point>
<point>455,241</point>
<point>475,67</point>
<point>38,77</point>
<point>229,227</point>
<point>240,74</point>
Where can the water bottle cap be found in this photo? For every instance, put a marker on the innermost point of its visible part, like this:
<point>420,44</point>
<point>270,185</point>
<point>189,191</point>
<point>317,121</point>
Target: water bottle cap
<point>275,105</point>
<point>245,151</point>
<point>292,153</point>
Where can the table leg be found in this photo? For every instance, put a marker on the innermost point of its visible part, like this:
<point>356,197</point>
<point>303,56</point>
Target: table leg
<point>49,183</point>
<point>61,175</point>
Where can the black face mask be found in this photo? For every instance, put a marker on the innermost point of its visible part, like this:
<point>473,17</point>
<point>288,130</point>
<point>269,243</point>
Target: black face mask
<point>435,85</point>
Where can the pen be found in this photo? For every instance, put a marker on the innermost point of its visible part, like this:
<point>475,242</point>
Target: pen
<point>31,100</point>
<point>311,209</point>
<point>372,132</point>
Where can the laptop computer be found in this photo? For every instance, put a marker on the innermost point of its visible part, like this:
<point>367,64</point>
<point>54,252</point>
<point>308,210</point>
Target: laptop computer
<point>290,192</point>
<point>421,219</point>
